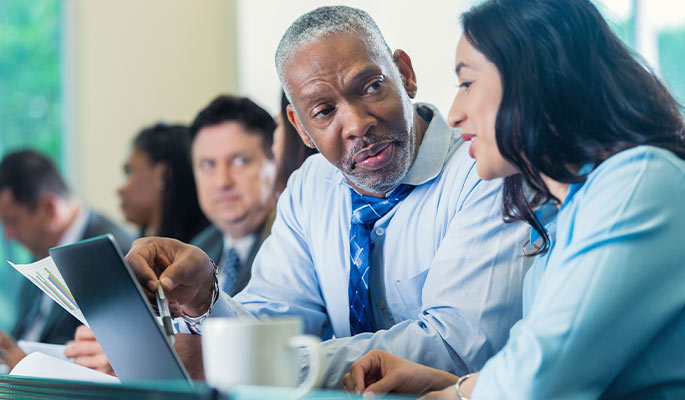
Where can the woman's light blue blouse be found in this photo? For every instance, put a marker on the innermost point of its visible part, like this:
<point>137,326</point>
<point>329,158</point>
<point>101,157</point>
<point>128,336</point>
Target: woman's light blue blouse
<point>604,309</point>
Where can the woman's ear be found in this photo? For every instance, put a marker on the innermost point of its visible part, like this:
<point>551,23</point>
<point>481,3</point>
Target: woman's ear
<point>403,62</point>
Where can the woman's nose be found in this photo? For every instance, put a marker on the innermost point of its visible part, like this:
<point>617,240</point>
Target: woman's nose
<point>456,116</point>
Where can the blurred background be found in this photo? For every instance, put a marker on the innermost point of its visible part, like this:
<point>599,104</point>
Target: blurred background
<point>79,78</point>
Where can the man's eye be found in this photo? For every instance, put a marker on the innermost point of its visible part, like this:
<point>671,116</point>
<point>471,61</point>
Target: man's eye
<point>465,85</point>
<point>207,164</point>
<point>239,161</point>
<point>374,87</point>
<point>323,112</point>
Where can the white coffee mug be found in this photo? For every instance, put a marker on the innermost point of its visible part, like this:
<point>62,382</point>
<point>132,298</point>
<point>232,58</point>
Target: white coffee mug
<point>238,352</point>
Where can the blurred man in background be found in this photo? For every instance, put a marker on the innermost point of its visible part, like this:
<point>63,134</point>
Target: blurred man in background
<point>234,172</point>
<point>37,210</point>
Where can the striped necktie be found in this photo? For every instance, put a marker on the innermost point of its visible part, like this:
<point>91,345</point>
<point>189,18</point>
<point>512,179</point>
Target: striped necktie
<point>366,211</point>
<point>231,270</point>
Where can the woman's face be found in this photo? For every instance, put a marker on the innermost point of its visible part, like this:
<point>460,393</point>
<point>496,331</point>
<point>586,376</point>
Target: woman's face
<point>141,194</point>
<point>475,109</point>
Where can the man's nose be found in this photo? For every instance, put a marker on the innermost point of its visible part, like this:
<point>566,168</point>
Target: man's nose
<point>356,120</point>
<point>225,175</point>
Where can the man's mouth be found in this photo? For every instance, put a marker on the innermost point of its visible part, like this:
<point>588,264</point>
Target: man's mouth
<point>374,157</point>
<point>226,198</point>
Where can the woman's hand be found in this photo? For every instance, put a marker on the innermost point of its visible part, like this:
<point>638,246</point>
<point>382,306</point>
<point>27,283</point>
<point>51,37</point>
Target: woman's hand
<point>379,372</point>
<point>10,353</point>
<point>86,351</point>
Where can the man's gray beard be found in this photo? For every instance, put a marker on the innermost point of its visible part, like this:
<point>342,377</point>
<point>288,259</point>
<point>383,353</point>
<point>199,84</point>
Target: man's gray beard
<point>371,183</point>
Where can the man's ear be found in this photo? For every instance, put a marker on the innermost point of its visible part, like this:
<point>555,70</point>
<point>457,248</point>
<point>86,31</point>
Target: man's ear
<point>403,63</point>
<point>48,205</point>
<point>292,117</point>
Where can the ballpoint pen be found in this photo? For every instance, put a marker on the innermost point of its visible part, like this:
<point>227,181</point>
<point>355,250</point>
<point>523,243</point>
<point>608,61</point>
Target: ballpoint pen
<point>164,313</point>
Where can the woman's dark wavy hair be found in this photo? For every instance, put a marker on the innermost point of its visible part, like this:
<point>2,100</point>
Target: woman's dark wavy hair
<point>572,94</point>
<point>294,150</point>
<point>181,218</point>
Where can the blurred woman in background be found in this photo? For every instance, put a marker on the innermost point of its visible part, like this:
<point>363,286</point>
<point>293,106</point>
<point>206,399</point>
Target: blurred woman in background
<point>289,150</point>
<point>159,195</point>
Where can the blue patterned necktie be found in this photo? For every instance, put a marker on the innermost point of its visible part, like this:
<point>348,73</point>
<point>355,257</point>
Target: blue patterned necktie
<point>231,267</point>
<point>366,210</point>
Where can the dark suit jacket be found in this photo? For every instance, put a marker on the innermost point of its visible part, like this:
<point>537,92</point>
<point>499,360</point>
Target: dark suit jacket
<point>211,241</point>
<point>60,325</point>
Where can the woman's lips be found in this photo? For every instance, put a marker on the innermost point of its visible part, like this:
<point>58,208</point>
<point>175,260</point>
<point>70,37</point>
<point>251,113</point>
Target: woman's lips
<point>472,138</point>
<point>467,136</point>
<point>374,157</point>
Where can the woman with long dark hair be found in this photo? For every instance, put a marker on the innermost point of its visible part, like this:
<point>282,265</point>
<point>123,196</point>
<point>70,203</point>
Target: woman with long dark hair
<point>159,195</point>
<point>552,101</point>
<point>289,150</point>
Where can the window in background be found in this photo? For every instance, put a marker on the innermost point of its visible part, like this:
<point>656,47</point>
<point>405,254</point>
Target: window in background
<point>656,30</point>
<point>30,107</point>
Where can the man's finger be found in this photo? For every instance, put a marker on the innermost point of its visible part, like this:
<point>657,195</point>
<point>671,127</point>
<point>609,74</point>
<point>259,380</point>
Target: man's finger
<point>188,269</point>
<point>139,265</point>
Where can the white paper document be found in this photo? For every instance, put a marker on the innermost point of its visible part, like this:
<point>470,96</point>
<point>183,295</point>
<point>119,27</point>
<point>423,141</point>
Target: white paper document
<point>54,350</point>
<point>46,276</point>
<point>39,365</point>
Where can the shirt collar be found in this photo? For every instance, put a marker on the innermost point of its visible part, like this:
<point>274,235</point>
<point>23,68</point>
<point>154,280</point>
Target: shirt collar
<point>433,150</point>
<point>242,246</point>
<point>575,187</point>
<point>75,231</point>
<point>546,214</point>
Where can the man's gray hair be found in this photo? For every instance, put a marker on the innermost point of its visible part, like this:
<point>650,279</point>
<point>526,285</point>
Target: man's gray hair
<point>321,22</point>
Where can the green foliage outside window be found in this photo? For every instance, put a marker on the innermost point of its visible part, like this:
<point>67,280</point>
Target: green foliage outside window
<point>670,45</point>
<point>30,107</point>
<point>672,60</point>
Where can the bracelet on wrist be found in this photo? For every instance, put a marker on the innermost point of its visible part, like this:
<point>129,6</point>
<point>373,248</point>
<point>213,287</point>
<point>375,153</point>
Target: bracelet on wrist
<point>458,385</point>
<point>194,322</point>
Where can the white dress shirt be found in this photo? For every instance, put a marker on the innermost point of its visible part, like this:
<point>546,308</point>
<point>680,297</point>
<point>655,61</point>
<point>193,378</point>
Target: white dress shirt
<point>446,272</point>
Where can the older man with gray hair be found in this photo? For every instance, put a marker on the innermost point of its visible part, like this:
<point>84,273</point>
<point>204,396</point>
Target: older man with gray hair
<point>388,239</point>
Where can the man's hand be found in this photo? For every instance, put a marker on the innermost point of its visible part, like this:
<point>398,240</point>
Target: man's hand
<point>86,351</point>
<point>379,372</point>
<point>186,273</point>
<point>10,353</point>
<point>189,350</point>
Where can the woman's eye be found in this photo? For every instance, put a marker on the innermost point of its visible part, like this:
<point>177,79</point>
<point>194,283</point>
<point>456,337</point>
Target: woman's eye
<point>239,161</point>
<point>465,85</point>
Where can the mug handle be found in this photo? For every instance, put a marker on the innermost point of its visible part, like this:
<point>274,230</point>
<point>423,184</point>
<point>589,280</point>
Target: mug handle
<point>312,343</point>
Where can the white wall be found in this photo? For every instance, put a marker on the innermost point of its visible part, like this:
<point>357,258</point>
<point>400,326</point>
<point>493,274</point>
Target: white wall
<point>428,31</point>
<point>131,63</point>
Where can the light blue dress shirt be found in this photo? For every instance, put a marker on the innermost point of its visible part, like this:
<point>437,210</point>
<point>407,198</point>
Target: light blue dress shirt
<point>446,275</point>
<point>604,309</point>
